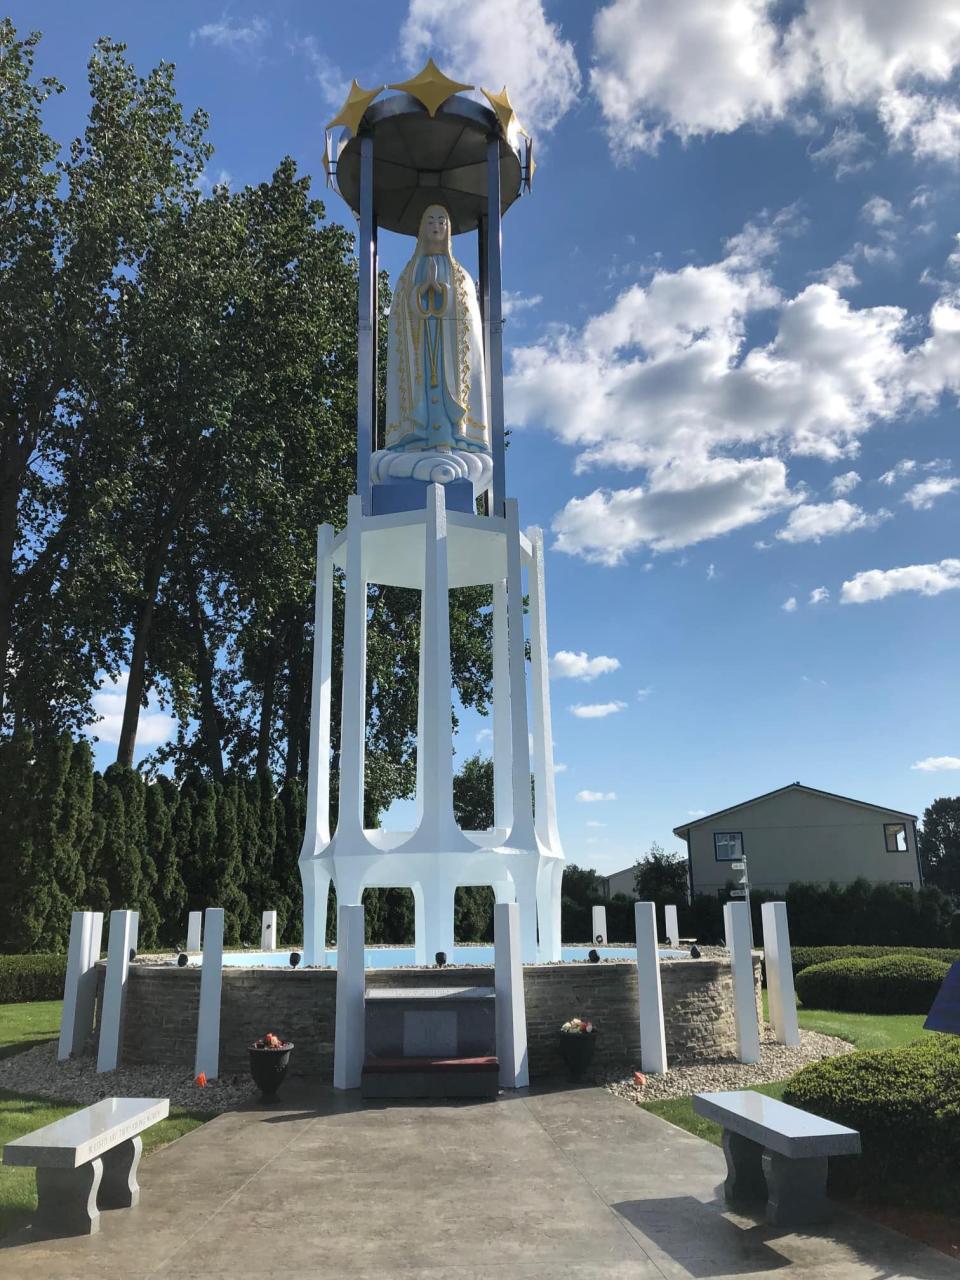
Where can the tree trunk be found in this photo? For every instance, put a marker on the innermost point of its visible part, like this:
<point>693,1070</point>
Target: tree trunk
<point>14,461</point>
<point>296,694</point>
<point>266,707</point>
<point>209,719</point>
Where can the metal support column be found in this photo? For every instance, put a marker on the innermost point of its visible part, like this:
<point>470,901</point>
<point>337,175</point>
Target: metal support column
<point>366,326</point>
<point>484,300</point>
<point>493,323</point>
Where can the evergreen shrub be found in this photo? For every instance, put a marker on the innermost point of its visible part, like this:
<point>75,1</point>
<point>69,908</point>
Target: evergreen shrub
<point>905,1103</point>
<point>888,984</point>
<point>804,957</point>
<point>35,977</point>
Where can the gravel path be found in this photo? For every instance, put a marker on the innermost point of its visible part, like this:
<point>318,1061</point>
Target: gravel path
<point>777,1062</point>
<point>37,1071</point>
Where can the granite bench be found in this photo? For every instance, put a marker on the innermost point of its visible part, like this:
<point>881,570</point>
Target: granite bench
<point>87,1162</point>
<point>776,1153</point>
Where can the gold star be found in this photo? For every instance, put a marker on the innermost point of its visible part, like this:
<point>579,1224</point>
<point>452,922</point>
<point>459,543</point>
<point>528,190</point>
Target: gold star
<point>506,116</point>
<point>431,87</point>
<point>351,113</point>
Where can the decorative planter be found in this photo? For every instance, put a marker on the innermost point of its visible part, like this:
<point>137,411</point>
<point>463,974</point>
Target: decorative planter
<point>268,1068</point>
<point>577,1049</point>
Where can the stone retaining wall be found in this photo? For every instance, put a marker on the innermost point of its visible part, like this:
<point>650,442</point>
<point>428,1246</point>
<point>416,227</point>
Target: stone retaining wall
<point>161,1011</point>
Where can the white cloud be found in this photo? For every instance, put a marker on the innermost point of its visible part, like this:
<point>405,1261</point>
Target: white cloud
<point>154,726</point>
<point>513,303</point>
<point>565,665</point>
<point>879,212</point>
<point>844,484</point>
<point>242,38</point>
<point>594,797</point>
<point>877,584</point>
<point>698,68</point>
<point>643,693</point>
<point>819,595</point>
<point>484,735</point>
<point>595,824</point>
<point>902,468</point>
<point>789,605</point>
<point>839,276</point>
<point>923,495</point>
<point>937,764</point>
<point>683,504</point>
<point>927,127</point>
<point>696,813</point>
<point>596,710</point>
<point>497,42</point>
<point>558,767</point>
<point>815,520</point>
<point>333,83</point>
<point>848,151</point>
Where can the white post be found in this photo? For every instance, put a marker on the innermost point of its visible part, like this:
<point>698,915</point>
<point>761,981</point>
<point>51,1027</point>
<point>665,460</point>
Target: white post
<point>353,714</point>
<point>211,976</point>
<point>545,789</point>
<point>522,834</point>
<point>80,986</point>
<point>268,931</point>
<point>511,1005</point>
<point>736,921</point>
<point>348,1044</point>
<point>502,765</point>
<point>779,965</point>
<point>599,926</point>
<point>437,828</point>
<point>317,819</point>
<point>653,1038</point>
<point>672,928</point>
<point>122,941</point>
<point>194,928</point>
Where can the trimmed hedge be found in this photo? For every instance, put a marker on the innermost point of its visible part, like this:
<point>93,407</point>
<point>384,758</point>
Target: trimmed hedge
<point>804,957</point>
<point>889,984</point>
<point>35,977</point>
<point>906,1105</point>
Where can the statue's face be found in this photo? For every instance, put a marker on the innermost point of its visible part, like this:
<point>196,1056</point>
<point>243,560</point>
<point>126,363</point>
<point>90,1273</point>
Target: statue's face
<point>435,226</point>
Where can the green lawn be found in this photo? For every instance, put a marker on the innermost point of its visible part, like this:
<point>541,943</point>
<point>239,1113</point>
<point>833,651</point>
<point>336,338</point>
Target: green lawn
<point>21,1026</point>
<point>865,1030</point>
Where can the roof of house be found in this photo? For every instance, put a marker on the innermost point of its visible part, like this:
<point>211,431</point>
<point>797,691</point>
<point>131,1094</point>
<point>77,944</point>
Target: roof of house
<point>793,786</point>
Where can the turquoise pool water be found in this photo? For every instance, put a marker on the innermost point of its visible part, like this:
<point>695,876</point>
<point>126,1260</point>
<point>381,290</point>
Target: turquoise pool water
<point>394,957</point>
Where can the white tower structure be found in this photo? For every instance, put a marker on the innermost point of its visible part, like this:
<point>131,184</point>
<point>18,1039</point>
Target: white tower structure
<point>420,528</point>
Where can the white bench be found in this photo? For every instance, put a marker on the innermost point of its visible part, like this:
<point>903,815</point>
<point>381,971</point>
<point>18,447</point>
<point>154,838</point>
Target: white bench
<point>776,1152</point>
<point>86,1162</point>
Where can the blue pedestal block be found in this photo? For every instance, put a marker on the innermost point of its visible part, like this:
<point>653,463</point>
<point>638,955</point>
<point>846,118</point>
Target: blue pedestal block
<point>411,495</point>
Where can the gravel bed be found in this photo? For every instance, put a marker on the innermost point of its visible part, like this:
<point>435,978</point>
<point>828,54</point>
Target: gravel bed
<point>37,1071</point>
<point>777,1062</point>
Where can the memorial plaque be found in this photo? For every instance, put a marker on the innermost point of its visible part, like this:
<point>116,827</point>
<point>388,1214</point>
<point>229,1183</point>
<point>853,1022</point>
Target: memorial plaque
<point>944,1013</point>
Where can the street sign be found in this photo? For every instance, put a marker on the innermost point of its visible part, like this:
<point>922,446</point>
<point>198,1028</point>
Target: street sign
<point>738,893</point>
<point>739,865</point>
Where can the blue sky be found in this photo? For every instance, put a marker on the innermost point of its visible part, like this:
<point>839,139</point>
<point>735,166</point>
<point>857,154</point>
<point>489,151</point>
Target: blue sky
<point>733,352</point>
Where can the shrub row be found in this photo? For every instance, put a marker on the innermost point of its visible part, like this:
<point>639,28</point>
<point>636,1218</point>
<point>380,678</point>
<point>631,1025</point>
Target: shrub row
<point>803,957</point>
<point>889,984</point>
<point>905,1104</point>
<point>35,977</point>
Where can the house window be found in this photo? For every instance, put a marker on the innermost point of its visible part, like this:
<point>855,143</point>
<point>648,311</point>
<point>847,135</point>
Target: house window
<point>895,836</point>
<point>728,845</point>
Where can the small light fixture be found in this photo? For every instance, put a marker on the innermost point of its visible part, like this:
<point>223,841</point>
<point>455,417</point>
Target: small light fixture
<point>694,952</point>
<point>295,959</point>
<point>599,938</point>
<point>593,956</point>
<point>182,959</point>
<point>441,959</point>
<point>133,954</point>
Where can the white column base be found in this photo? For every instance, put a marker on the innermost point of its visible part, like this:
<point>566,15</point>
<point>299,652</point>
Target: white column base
<point>511,1006</point>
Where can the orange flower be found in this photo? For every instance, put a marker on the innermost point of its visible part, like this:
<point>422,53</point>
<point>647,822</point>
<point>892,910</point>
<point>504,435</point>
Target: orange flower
<point>639,1079</point>
<point>201,1080</point>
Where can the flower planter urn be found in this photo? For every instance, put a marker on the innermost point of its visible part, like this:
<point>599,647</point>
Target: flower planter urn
<point>577,1050</point>
<point>268,1067</point>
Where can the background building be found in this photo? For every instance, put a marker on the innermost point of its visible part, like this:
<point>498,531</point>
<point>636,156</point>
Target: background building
<point>800,833</point>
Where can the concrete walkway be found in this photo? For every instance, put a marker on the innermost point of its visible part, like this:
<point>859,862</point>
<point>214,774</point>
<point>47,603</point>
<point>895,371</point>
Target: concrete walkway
<point>571,1185</point>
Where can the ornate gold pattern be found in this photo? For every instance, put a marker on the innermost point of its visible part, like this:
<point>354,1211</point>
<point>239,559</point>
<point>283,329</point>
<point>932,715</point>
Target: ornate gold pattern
<point>351,113</point>
<point>431,87</point>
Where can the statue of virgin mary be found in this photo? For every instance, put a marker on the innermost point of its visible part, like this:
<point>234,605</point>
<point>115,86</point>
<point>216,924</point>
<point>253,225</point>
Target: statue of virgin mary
<point>437,427</point>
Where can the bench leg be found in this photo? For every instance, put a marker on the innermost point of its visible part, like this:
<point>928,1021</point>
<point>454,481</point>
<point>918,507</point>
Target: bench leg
<point>119,1188</point>
<point>744,1180</point>
<point>67,1200</point>
<point>797,1189</point>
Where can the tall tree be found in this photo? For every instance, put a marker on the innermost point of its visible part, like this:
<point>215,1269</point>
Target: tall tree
<point>939,844</point>
<point>661,877</point>
<point>73,231</point>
